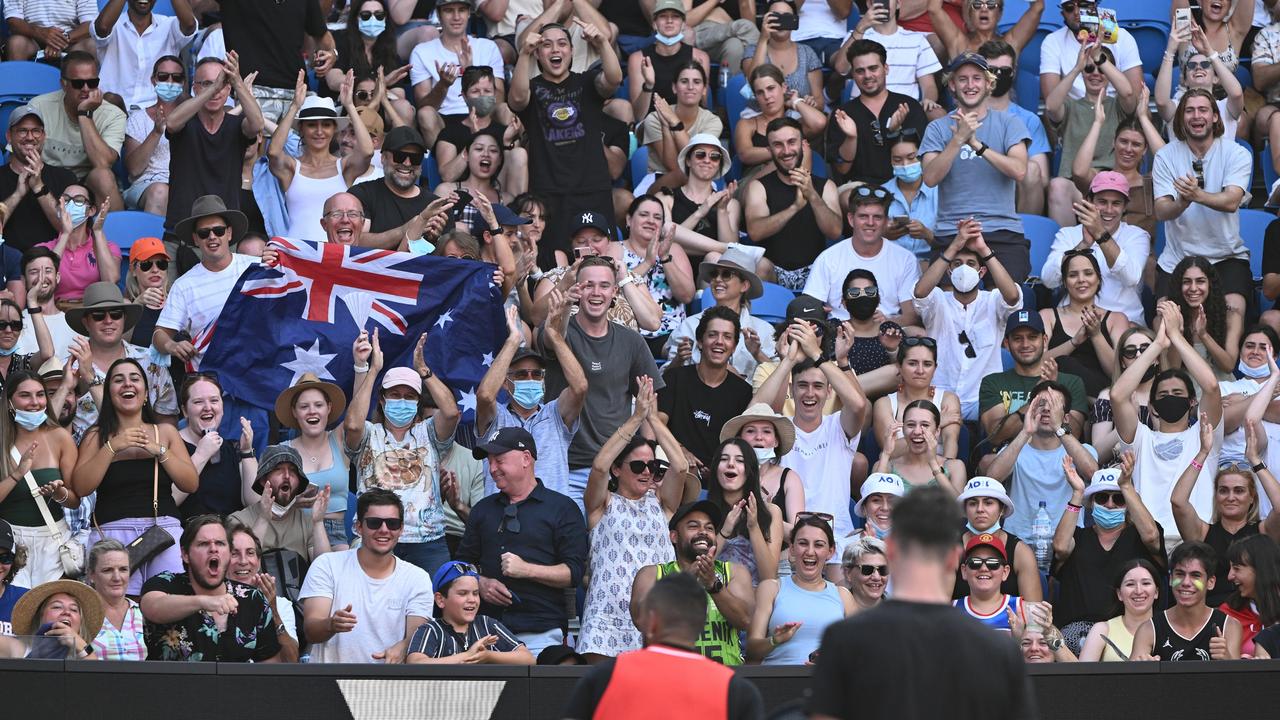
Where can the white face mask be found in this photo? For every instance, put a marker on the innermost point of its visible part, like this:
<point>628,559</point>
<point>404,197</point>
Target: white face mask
<point>964,278</point>
<point>764,455</point>
<point>1257,373</point>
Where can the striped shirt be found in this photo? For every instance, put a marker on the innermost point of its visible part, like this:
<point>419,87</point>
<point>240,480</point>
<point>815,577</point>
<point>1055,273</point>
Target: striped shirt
<point>438,639</point>
<point>64,14</point>
<point>125,643</point>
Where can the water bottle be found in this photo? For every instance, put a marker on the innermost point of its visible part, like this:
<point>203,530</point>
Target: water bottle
<point>1042,537</point>
<point>724,76</point>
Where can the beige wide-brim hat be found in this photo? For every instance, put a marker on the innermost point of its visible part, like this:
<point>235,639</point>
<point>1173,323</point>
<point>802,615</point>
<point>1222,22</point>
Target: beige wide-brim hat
<point>782,425</point>
<point>24,612</point>
<point>211,206</point>
<point>103,296</point>
<point>284,402</point>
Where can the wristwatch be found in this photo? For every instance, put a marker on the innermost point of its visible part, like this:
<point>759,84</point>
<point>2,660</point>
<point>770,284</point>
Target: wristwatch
<point>1055,644</point>
<point>981,150</point>
<point>1105,237</point>
<point>717,586</point>
<point>85,114</point>
<point>1259,467</point>
<point>1062,430</point>
<point>677,127</point>
<point>44,190</point>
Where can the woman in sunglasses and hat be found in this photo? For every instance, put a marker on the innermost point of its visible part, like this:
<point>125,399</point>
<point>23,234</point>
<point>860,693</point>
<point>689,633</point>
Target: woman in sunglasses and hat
<point>313,408</point>
<point>771,435</point>
<point>697,205</point>
<point>308,181</point>
<point>985,504</point>
<point>630,497</point>
<point>64,615</point>
<point>147,283</point>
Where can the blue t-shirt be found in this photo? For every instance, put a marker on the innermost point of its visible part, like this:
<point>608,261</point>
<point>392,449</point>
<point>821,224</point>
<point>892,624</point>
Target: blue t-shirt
<point>1039,139</point>
<point>8,599</point>
<point>1037,478</point>
<point>974,187</point>
<point>11,261</point>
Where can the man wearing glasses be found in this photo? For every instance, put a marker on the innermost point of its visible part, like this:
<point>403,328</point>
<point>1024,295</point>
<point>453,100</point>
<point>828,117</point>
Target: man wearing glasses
<point>529,542</point>
<point>82,134</point>
<point>364,604</point>
<point>1061,47</point>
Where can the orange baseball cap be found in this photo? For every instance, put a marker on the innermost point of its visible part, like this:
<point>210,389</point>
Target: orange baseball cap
<point>147,248</point>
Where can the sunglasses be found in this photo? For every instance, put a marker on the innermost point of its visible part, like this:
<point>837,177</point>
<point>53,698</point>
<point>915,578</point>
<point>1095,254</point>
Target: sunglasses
<point>922,341</point>
<point>376,523</point>
<point>877,134</point>
<point>403,156</point>
<point>100,315</point>
<point>91,83</point>
<point>146,265</point>
<point>11,325</point>
<point>204,233</point>
<point>366,14</point>
<point>1199,64</point>
<point>704,154</point>
<point>1111,498</point>
<point>726,273</point>
<point>530,374</point>
<point>969,352</point>
<point>171,77</point>
<point>657,468</point>
<point>976,563</point>
<point>364,95</point>
<point>854,293</point>
<point>1132,351</point>
<point>1072,6</point>
<point>828,517</point>
<point>867,570</point>
<point>510,523</point>
<point>7,558</point>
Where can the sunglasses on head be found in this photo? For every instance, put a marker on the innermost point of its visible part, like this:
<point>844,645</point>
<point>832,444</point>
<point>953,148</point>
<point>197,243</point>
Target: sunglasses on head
<point>11,325</point>
<point>977,563</point>
<point>366,14</point>
<point>854,293</point>
<point>928,342</point>
<point>1132,351</point>
<point>204,233</point>
<point>867,570</point>
<point>704,154</point>
<point>403,156</point>
<point>91,83</point>
<point>171,77</point>
<point>656,467</point>
<point>7,558</point>
<point>1112,498</point>
<point>146,265</point>
<point>510,523</point>
<point>865,191</point>
<point>828,517</point>
<point>376,523</point>
<point>100,315</point>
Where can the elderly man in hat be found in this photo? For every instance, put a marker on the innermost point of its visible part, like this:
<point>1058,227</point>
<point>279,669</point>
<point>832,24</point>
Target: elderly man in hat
<point>196,298</point>
<point>277,519</point>
<point>529,542</point>
<point>733,286</point>
<point>30,188</point>
<point>106,319</point>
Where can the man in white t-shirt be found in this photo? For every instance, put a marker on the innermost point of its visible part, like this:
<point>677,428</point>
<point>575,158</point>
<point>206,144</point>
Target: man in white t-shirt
<point>912,61</point>
<point>435,66</point>
<point>825,454</point>
<point>896,268</point>
<point>363,605</point>
<point>966,322</point>
<point>196,298</point>
<point>1061,49</point>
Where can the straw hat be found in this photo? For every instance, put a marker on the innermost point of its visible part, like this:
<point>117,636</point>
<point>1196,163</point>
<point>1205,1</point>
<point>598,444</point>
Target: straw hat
<point>24,612</point>
<point>782,425</point>
<point>284,402</point>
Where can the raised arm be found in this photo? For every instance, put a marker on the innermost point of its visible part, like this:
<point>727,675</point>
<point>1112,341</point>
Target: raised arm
<point>254,122</point>
<point>1190,524</point>
<point>1022,31</point>
<point>367,352</point>
<point>108,262</point>
<point>282,166</point>
<point>1194,362</point>
<point>491,383</point>
<point>1124,411</point>
<point>1255,451</point>
<point>1082,171</point>
<point>596,497</point>
<point>1064,537</point>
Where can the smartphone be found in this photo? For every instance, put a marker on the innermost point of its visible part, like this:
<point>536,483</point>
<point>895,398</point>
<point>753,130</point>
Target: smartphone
<point>901,219</point>
<point>455,212</point>
<point>881,5</point>
<point>800,157</point>
<point>813,656</point>
<point>1182,19</point>
<point>788,21</point>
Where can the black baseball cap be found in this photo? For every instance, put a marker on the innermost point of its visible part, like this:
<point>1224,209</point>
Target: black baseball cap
<point>527,352</point>
<point>806,308</point>
<point>703,506</point>
<point>7,542</point>
<point>505,440</point>
<point>402,137</point>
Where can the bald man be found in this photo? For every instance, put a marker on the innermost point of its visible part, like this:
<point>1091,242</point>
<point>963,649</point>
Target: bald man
<point>343,219</point>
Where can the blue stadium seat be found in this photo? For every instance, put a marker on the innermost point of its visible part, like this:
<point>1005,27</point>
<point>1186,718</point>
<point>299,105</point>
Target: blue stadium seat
<point>639,164</point>
<point>1133,11</point>
<point>431,171</point>
<point>772,305</point>
<point>1039,230</point>
<point>1026,88</point>
<point>819,166</point>
<point>1269,175</point>
<point>1253,229</point>
<point>123,227</point>
<point>734,103</point>
<point>624,90</point>
<point>1253,169</point>
<point>1152,37</point>
<point>21,80</point>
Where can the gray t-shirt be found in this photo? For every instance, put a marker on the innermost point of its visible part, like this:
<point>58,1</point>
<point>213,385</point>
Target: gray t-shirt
<point>611,363</point>
<point>1201,230</point>
<point>974,187</point>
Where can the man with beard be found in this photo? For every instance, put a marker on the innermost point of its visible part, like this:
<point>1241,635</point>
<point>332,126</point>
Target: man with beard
<point>394,204</point>
<point>1003,61</point>
<point>1061,47</point>
<point>963,320</point>
<point>1200,182</point>
<point>30,188</point>
<point>106,318</point>
<point>790,212</point>
<point>277,519</point>
<point>363,605</point>
<point>896,268</point>
<point>188,614</point>
<point>54,375</point>
<point>695,528</point>
<point>976,157</point>
<point>862,125</point>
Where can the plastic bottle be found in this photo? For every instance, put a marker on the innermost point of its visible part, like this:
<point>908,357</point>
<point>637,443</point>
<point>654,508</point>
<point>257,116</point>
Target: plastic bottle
<point>1042,537</point>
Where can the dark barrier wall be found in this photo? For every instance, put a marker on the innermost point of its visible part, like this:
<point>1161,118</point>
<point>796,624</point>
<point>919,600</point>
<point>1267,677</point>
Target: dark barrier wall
<point>46,689</point>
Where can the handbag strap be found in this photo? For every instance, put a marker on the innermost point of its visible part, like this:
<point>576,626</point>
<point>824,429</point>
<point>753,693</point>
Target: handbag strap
<point>37,498</point>
<point>155,482</point>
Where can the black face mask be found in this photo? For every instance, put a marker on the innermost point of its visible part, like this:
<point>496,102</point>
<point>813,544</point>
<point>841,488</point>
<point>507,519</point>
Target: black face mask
<point>1004,81</point>
<point>862,308</point>
<point>1150,373</point>
<point>1171,408</point>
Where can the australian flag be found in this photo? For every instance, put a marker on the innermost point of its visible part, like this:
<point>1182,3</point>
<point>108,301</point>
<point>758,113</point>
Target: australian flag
<point>304,315</point>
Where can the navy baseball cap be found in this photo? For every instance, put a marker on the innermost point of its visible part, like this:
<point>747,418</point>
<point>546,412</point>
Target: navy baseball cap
<point>1024,318</point>
<point>506,216</point>
<point>588,219</point>
<point>968,58</point>
<point>505,440</point>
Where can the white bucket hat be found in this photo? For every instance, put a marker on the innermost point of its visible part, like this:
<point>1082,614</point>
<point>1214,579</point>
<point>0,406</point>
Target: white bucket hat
<point>981,486</point>
<point>881,483</point>
<point>703,139</point>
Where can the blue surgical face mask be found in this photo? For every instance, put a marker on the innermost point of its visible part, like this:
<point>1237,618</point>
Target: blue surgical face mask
<point>78,212</point>
<point>764,455</point>
<point>1108,518</point>
<point>669,41</point>
<point>1258,373</point>
<point>528,393</point>
<point>746,92</point>
<point>910,172</point>
<point>168,91</point>
<point>7,352</point>
<point>372,27</point>
<point>30,419</point>
<point>880,534</point>
<point>293,144</point>
<point>993,529</point>
<point>400,413</point>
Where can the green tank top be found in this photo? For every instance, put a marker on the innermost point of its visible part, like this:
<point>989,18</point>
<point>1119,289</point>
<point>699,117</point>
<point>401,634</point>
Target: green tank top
<point>720,639</point>
<point>19,508</point>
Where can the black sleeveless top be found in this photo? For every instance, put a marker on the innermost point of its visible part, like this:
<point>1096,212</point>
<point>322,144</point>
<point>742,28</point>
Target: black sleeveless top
<point>125,491</point>
<point>1219,539</point>
<point>1008,587</point>
<point>780,498</point>
<point>1172,647</point>
<point>665,68</point>
<point>800,241</point>
<point>681,208</point>
<point>1082,361</point>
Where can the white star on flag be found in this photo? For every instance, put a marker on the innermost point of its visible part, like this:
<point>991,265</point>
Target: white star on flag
<point>468,401</point>
<point>447,317</point>
<point>310,360</point>
<point>487,360</point>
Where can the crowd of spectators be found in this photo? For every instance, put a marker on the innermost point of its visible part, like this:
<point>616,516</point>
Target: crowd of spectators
<point>767,268</point>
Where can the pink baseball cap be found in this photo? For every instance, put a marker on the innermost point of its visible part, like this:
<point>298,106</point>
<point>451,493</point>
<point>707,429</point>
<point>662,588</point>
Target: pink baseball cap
<point>402,376</point>
<point>1109,180</point>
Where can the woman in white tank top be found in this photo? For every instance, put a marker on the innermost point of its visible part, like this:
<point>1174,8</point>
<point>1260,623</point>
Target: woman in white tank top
<point>917,362</point>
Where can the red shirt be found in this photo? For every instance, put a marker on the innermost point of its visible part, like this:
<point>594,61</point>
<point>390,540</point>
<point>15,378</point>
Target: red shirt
<point>665,682</point>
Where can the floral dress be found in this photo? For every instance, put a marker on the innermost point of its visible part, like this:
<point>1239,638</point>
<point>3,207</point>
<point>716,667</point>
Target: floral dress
<point>672,311</point>
<point>630,535</point>
<point>248,636</point>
